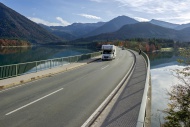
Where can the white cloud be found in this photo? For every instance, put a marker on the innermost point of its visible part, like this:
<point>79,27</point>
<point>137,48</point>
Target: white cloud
<point>65,23</point>
<point>47,23</point>
<point>180,19</point>
<point>175,9</point>
<point>141,19</point>
<point>90,16</point>
<point>99,1</point>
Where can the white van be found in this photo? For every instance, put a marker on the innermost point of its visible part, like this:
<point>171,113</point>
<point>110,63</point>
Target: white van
<point>109,52</point>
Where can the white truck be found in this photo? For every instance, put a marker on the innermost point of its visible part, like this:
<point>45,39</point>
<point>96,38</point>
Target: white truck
<point>108,52</point>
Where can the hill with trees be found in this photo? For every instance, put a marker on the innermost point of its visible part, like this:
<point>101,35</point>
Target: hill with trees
<point>15,26</point>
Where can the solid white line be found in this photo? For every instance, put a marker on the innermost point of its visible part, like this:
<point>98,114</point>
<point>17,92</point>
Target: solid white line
<point>33,102</point>
<point>104,67</point>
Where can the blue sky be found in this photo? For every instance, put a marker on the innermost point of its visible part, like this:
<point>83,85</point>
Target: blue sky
<point>65,12</point>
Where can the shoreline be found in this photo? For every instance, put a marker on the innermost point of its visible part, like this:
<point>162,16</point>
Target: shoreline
<point>14,46</point>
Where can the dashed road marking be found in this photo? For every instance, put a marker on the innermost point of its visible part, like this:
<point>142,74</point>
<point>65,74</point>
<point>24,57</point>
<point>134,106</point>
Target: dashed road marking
<point>104,67</point>
<point>33,102</point>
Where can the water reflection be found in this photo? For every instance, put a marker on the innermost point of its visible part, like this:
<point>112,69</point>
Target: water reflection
<point>16,55</point>
<point>12,50</point>
<point>162,58</point>
<point>162,80</point>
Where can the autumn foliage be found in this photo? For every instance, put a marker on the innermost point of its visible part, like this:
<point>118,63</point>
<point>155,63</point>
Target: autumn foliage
<point>13,42</point>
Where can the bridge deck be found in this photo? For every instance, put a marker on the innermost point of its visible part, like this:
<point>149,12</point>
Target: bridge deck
<point>126,109</point>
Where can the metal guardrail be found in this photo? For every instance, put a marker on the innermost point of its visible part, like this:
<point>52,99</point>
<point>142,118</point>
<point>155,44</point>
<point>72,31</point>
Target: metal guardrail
<point>142,112</point>
<point>13,70</point>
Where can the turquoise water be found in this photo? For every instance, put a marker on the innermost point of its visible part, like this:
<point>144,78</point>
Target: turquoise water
<point>14,55</point>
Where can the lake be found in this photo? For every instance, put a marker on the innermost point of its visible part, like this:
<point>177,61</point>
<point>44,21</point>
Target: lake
<point>14,55</point>
<point>162,65</point>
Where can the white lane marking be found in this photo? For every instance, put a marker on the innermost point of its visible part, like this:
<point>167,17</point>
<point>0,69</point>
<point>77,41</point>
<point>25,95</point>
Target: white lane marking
<point>105,67</point>
<point>33,102</point>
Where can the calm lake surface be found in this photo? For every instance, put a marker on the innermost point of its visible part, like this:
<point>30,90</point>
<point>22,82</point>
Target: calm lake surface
<point>14,55</point>
<point>162,79</point>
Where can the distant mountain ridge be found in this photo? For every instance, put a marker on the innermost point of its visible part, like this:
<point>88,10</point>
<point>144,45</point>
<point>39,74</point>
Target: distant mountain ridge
<point>169,25</point>
<point>165,30</point>
<point>164,24</point>
<point>73,31</point>
<point>113,25</point>
<point>146,30</point>
<point>182,26</point>
<point>78,30</point>
<point>14,25</point>
<point>141,30</point>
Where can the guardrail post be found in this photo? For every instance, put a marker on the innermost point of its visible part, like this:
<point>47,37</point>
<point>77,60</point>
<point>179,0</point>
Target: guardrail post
<point>40,66</point>
<point>16,69</point>
<point>50,63</point>
<point>36,67</point>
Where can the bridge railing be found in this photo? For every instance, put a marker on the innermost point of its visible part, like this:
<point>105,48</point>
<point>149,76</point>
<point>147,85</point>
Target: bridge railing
<point>143,109</point>
<point>13,70</point>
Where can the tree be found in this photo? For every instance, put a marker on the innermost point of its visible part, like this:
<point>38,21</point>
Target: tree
<point>178,111</point>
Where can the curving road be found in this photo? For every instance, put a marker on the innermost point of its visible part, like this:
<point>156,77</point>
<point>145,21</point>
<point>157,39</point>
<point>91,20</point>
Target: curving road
<point>66,99</point>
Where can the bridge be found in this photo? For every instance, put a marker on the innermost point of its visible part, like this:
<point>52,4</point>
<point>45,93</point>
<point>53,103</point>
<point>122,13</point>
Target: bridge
<point>87,93</point>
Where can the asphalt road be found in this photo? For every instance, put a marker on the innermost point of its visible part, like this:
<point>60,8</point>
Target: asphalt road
<point>66,99</point>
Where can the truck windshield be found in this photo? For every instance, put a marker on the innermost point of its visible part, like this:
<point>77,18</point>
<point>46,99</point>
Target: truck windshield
<point>107,52</point>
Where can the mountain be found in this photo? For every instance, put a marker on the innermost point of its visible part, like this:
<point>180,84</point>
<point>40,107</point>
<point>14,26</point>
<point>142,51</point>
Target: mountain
<point>113,25</point>
<point>182,26</point>
<point>186,30</point>
<point>78,30</point>
<point>17,29</point>
<point>169,25</point>
<point>158,29</point>
<point>146,30</point>
<point>59,33</point>
<point>73,31</point>
<point>140,30</point>
<point>64,35</point>
<point>164,24</point>
<point>184,33</point>
<point>14,25</point>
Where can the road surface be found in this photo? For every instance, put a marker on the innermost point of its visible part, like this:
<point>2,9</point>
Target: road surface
<point>66,99</point>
